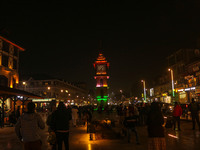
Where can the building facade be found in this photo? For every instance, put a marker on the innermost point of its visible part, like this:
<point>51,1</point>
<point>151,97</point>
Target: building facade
<point>54,89</point>
<point>9,66</point>
<point>185,65</point>
<point>9,63</point>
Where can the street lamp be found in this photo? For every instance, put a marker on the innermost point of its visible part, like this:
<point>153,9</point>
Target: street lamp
<point>145,96</point>
<point>24,86</point>
<point>172,78</point>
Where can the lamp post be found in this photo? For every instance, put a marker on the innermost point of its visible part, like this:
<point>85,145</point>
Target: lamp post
<point>24,85</point>
<point>172,78</point>
<point>49,88</point>
<point>145,96</point>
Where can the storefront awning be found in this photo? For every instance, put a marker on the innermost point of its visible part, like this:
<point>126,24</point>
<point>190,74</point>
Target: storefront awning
<point>15,92</point>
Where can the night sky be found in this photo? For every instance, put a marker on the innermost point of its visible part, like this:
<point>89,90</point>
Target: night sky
<point>62,38</point>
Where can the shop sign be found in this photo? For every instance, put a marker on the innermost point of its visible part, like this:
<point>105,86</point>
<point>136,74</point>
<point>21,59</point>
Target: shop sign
<point>152,92</point>
<point>189,77</point>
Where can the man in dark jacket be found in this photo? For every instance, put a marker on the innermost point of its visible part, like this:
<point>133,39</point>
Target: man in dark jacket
<point>194,108</point>
<point>60,125</point>
<point>130,124</point>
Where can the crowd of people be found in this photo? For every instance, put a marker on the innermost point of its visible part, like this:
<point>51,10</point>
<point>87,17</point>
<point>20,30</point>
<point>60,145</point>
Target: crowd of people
<point>27,125</point>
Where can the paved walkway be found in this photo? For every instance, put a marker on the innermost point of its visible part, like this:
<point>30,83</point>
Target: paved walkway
<point>186,139</point>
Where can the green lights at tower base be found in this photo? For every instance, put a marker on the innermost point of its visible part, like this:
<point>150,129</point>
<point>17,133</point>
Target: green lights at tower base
<point>104,98</point>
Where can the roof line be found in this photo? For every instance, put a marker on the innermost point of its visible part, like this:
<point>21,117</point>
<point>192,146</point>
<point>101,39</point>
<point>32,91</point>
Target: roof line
<point>22,49</point>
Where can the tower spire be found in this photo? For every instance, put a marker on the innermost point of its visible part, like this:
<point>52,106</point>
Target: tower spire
<point>100,47</point>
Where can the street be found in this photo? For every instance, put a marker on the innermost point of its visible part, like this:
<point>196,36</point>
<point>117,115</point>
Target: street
<point>186,139</point>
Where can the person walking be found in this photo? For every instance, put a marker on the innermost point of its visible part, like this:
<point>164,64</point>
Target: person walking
<point>27,128</point>
<point>74,115</point>
<point>52,137</point>
<point>130,123</point>
<point>18,112</point>
<point>177,112</point>
<point>60,125</point>
<point>155,120</point>
<point>194,109</point>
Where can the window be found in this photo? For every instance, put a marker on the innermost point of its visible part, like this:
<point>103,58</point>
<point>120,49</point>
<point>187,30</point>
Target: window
<point>32,84</point>
<point>101,82</point>
<point>15,64</point>
<point>5,60</point>
<point>15,51</point>
<point>5,46</point>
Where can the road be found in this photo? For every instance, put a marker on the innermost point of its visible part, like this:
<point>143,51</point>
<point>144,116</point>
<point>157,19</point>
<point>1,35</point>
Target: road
<point>186,139</point>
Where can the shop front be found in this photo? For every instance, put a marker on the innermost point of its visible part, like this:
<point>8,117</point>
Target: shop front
<point>186,95</point>
<point>10,99</point>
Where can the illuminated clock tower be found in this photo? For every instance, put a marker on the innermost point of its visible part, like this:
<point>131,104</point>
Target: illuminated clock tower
<point>101,75</point>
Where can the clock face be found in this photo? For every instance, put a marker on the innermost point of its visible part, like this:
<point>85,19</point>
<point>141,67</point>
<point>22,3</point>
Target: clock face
<point>101,68</point>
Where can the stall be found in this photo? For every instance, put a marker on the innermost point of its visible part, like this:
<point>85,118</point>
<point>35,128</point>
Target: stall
<point>11,97</point>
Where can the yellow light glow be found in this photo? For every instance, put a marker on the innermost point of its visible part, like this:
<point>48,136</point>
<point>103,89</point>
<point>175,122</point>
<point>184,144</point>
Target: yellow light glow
<point>61,90</point>
<point>11,83</point>
<point>89,147</point>
<point>99,73</point>
<point>17,81</point>
<point>49,88</point>
<point>0,60</point>
<point>66,91</point>
<point>24,83</point>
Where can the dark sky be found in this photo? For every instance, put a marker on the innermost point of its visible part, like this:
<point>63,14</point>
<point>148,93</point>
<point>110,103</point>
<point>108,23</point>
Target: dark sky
<point>62,38</point>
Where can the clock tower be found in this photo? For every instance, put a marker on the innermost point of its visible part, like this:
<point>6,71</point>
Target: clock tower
<point>101,75</point>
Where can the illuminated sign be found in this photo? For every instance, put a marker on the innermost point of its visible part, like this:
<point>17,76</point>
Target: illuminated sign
<point>41,100</point>
<point>152,92</point>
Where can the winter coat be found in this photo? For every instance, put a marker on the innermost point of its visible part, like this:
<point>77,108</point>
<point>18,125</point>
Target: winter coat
<point>194,107</point>
<point>155,121</point>
<point>130,122</point>
<point>28,125</point>
<point>177,112</point>
<point>60,120</point>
